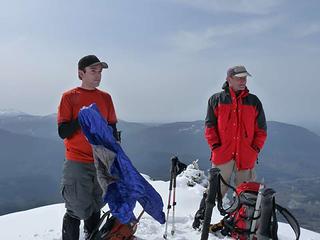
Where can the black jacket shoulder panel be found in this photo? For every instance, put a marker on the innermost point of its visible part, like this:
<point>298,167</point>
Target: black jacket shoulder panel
<point>221,97</point>
<point>251,100</point>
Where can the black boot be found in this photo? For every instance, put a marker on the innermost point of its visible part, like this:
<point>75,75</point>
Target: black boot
<point>70,228</point>
<point>90,224</point>
<point>216,227</point>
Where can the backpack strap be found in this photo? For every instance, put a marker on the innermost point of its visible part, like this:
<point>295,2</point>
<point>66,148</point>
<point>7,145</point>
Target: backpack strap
<point>290,219</point>
<point>256,213</point>
<point>234,206</point>
<point>135,223</point>
<point>96,230</point>
<point>199,216</point>
<point>274,221</point>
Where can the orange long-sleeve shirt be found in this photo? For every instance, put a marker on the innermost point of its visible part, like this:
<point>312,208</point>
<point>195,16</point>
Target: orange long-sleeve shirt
<point>77,147</point>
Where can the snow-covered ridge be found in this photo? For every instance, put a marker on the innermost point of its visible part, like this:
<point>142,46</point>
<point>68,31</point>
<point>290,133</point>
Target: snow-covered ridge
<point>11,112</point>
<point>44,223</point>
<point>193,129</point>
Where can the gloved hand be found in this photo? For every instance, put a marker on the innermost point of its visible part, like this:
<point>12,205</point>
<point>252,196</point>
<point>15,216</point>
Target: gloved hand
<point>256,148</point>
<point>118,136</point>
<point>216,145</point>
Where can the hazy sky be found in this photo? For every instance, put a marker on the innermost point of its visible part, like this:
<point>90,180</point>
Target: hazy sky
<point>166,57</point>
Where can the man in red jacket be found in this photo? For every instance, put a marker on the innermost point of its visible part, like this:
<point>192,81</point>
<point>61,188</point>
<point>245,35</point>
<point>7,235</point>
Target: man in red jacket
<point>235,128</point>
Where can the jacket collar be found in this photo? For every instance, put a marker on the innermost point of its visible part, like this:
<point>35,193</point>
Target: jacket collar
<point>227,89</point>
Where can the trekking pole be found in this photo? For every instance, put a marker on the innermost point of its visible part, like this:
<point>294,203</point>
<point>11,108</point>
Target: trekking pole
<point>175,163</point>
<point>210,201</point>
<point>256,211</point>
<point>267,210</point>
<point>169,199</point>
<point>135,224</point>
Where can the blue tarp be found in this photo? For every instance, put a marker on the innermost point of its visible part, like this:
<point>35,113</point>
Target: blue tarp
<point>122,195</point>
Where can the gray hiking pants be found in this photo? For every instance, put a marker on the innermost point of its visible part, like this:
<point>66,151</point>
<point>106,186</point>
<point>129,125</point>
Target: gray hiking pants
<point>240,176</point>
<point>80,189</point>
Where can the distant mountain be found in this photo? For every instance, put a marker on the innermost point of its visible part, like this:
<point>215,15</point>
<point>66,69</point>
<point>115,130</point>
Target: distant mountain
<point>10,113</point>
<point>314,126</point>
<point>30,171</point>
<point>36,126</point>
<point>46,126</point>
<point>288,148</point>
<point>152,148</point>
<point>35,156</point>
<point>290,152</point>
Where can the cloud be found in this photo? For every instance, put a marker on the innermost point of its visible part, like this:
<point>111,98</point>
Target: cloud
<point>260,7</point>
<point>303,31</point>
<point>194,41</point>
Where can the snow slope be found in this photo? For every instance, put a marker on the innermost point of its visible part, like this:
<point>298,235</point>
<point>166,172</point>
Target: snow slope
<point>44,223</point>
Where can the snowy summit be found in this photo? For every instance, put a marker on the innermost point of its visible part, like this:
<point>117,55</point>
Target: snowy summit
<point>44,223</point>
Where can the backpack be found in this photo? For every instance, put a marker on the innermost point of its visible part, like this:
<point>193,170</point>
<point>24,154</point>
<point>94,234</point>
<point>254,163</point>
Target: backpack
<point>252,214</point>
<point>113,229</point>
<point>242,220</point>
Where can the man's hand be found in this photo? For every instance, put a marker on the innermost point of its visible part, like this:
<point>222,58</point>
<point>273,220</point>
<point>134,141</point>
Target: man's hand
<point>256,148</point>
<point>216,145</point>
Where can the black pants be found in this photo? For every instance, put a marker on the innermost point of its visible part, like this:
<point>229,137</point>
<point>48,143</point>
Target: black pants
<point>70,226</point>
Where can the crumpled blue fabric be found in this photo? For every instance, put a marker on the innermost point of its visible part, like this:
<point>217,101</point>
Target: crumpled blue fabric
<point>122,195</point>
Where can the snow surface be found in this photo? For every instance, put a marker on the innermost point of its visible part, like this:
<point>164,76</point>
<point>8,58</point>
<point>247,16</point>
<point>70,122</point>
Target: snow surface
<point>44,223</point>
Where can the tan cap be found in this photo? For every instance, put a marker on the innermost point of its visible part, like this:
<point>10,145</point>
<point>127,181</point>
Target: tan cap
<point>238,71</point>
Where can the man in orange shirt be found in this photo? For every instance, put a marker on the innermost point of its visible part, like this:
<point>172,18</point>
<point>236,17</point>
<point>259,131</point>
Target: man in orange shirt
<point>80,187</point>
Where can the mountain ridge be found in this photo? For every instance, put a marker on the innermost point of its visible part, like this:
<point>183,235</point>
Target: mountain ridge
<point>35,148</point>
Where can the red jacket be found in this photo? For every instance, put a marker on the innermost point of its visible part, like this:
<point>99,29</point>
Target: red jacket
<point>235,127</point>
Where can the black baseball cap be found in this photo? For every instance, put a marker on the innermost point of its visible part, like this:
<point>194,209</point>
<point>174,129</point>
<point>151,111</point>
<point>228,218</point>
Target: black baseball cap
<point>90,60</point>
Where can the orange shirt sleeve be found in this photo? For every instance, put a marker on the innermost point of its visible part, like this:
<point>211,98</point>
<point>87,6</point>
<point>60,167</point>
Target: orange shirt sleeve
<point>64,109</point>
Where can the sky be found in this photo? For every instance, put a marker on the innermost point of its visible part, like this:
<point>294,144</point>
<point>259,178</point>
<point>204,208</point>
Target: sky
<point>166,57</point>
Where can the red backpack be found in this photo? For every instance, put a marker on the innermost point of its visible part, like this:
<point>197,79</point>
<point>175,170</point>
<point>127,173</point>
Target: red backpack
<point>244,220</point>
<point>252,214</point>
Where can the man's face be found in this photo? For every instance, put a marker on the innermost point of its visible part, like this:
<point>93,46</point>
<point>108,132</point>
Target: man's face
<point>91,76</point>
<point>237,83</point>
